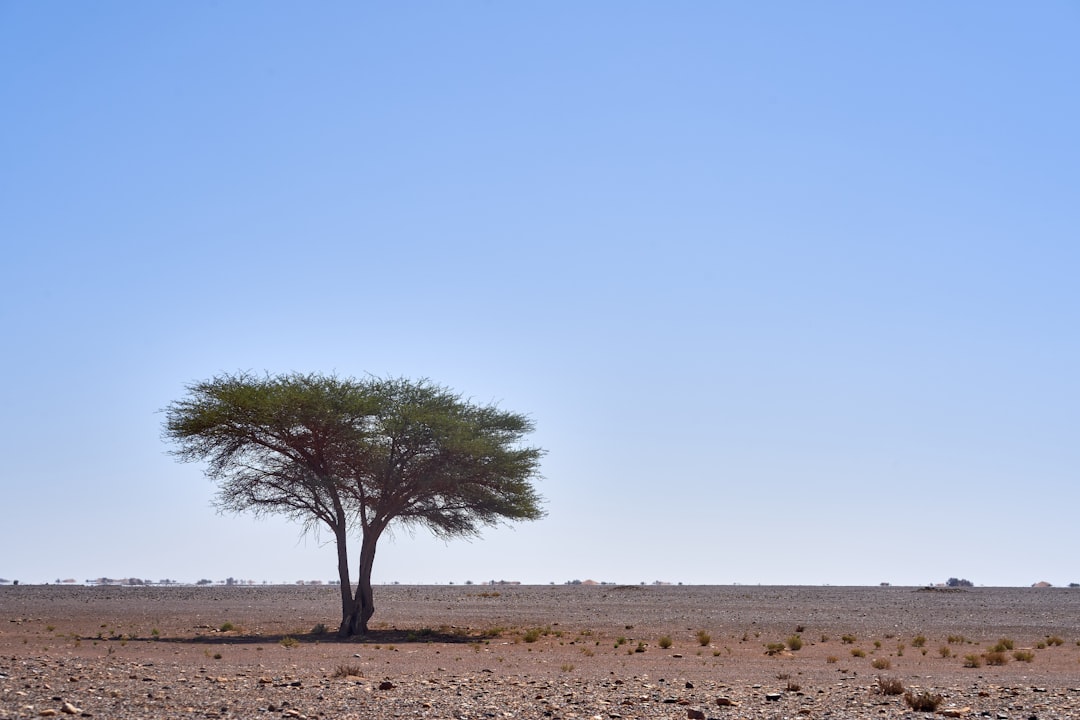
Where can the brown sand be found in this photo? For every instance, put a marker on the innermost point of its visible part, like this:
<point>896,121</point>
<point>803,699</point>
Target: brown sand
<point>464,652</point>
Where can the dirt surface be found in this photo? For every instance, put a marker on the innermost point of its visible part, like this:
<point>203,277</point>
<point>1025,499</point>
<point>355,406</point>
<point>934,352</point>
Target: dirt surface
<point>538,652</point>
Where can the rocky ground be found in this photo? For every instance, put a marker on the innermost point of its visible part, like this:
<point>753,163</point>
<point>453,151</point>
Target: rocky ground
<point>540,652</point>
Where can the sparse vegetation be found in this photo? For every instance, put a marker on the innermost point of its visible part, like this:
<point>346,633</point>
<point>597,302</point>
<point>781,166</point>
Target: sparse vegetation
<point>795,642</point>
<point>956,639</point>
<point>319,629</point>
<point>774,648</point>
<point>532,635</point>
<point>848,639</point>
<point>880,663</point>
<point>923,702</point>
<point>792,686</point>
<point>1002,645</point>
<point>945,651</point>
<point>972,661</point>
<point>831,659</point>
<point>227,627</point>
<point>703,638</point>
<point>918,641</point>
<point>996,657</point>
<point>1054,640</point>
<point>288,641</point>
<point>1023,656</point>
<point>858,652</point>
<point>664,642</point>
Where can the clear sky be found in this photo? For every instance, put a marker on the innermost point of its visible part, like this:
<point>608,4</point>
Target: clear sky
<point>790,289</point>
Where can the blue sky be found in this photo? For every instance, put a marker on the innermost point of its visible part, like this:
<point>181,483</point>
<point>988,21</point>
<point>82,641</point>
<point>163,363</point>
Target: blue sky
<point>789,289</point>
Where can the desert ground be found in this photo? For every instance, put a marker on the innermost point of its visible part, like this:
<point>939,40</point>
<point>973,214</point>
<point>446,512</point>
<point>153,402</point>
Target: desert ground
<point>588,652</point>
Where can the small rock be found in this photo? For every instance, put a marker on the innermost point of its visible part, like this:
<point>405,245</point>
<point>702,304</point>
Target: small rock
<point>773,697</point>
<point>69,709</point>
<point>689,686</point>
<point>726,702</point>
<point>693,714</point>
<point>954,712</point>
<point>386,685</point>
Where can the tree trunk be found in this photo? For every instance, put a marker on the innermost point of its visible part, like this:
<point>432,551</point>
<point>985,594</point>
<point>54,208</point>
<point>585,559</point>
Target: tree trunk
<point>349,609</point>
<point>364,601</point>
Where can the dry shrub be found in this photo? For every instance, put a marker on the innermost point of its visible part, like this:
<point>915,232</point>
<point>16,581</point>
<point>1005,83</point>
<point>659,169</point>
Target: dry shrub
<point>703,638</point>
<point>880,663</point>
<point>858,652</point>
<point>945,651</point>
<point>1024,655</point>
<point>996,657</point>
<point>343,671</point>
<point>889,686</point>
<point>972,661</point>
<point>923,702</point>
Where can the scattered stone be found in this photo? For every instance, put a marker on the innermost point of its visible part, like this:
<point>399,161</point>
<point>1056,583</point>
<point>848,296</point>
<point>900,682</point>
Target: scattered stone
<point>48,712</point>
<point>693,714</point>
<point>726,702</point>
<point>773,697</point>
<point>69,709</point>
<point>386,685</point>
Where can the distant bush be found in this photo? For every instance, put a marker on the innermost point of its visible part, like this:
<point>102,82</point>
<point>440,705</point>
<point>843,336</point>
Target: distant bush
<point>972,661</point>
<point>774,648</point>
<point>288,641</point>
<point>1002,645</point>
<point>956,639</point>
<point>848,639</point>
<point>945,651</point>
<point>918,641</point>
<point>664,642</point>
<point>1054,640</point>
<point>532,635</point>
<point>858,652</point>
<point>996,657</point>
<point>795,642</point>
<point>957,582</point>
<point>1023,656</point>
<point>923,702</point>
<point>880,663</point>
<point>703,638</point>
<point>889,686</point>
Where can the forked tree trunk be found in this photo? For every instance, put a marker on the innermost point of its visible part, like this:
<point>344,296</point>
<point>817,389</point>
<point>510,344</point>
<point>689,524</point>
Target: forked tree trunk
<point>349,610</point>
<point>365,604</point>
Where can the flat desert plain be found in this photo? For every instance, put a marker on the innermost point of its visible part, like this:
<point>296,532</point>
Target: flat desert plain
<point>585,652</point>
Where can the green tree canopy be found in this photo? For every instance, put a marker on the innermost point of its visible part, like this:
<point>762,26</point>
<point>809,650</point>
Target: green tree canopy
<point>355,457</point>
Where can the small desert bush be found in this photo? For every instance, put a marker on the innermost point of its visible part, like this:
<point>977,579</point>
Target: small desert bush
<point>877,644</point>
<point>566,667</point>
<point>848,639</point>
<point>774,648</point>
<point>996,657</point>
<point>588,652</point>
<point>956,639</point>
<point>343,671</point>
<point>972,661</point>
<point>1002,645</point>
<point>792,686</point>
<point>620,641</point>
<point>703,638</point>
<point>1054,640</point>
<point>1023,655</point>
<point>889,686</point>
<point>858,652</point>
<point>831,659</point>
<point>532,635</point>
<point>923,702</point>
<point>226,627</point>
<point>880,663</point>
<point>918,641</point>
<point>640,647</point>
<point>288,641</point>
<point>664,642</point>
<point>945,651</point>
<point>795,642</point>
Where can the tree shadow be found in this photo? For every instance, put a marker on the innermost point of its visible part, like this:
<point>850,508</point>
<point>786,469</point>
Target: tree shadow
<point>382,636</point>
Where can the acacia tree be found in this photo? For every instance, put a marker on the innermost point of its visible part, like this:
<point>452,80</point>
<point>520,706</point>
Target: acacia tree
<point>357,456</point>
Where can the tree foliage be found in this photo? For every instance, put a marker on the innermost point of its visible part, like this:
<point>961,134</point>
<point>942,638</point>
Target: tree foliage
<point>355,457</point>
